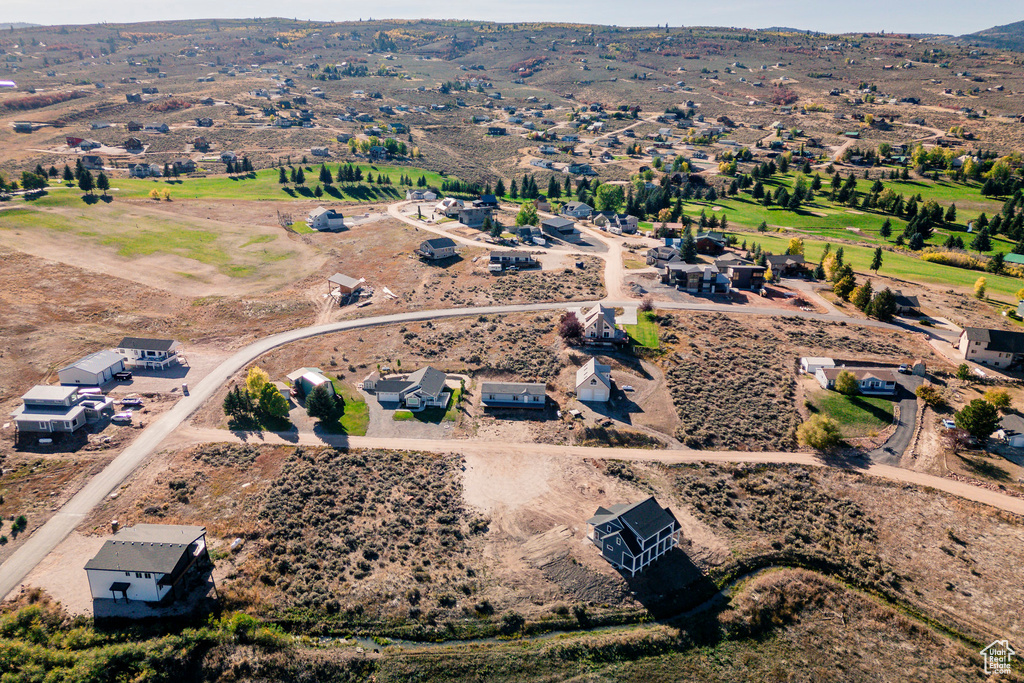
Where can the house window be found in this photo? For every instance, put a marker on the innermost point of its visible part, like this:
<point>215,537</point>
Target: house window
<point>138,575</point>
<point>127,573</point>
<point>618,541</point>
<point>148,576</point>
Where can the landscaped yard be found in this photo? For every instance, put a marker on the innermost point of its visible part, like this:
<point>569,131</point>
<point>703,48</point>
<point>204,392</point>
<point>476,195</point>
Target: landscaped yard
<point>645,332</point>
<point>856,415</point>
<point>355,414</point>
<point>434,414</point>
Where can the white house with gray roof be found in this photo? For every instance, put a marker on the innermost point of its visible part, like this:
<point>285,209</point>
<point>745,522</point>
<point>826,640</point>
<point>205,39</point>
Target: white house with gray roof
<point>632,536</point>
<point>93,370</point>
<point>513,394</point>
<point>423,388</point>
<point>154,354</point>
<point>594,382</point>
<point>148,562</point>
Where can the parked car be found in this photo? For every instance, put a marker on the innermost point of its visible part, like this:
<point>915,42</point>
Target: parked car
<point>628,387</point>
<point>123,375</point>
<point>904,369</point>
<point>122,417</point>
<point>948,424</point>
<point>131,401</point>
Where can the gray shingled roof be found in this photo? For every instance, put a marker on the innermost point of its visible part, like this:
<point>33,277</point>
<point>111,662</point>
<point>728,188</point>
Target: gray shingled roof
<point>518,388</point>
<point>1002,341</point>
<point>440,242</point>
<point>430,381</point>
<point>155,548</point>
<point>143,344</point>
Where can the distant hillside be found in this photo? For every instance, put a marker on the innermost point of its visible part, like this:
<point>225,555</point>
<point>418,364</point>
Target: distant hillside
<point>1007,37</point>
<point>16,25</point>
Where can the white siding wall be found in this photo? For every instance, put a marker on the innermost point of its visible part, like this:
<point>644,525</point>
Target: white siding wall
<point>142,588</point>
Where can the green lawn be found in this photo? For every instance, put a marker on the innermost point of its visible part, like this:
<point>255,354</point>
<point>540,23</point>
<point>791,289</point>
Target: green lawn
<point>899,264</point>
<point>434,414</point>
<point>645,332</point>
<point>355,414</point>
<point>260,185</point>
<point>856,415</point>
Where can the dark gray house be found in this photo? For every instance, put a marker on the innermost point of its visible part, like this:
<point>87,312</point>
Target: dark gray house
<point>632,536</point>
<point>437,248</point>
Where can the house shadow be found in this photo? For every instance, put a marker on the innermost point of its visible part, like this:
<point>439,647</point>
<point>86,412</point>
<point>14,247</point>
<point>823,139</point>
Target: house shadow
<point>671,586</point>
<point>444,262</point>
<point>176,371</point>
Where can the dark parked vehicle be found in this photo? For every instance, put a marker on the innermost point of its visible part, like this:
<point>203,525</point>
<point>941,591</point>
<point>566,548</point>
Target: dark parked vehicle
<point>123,375</point>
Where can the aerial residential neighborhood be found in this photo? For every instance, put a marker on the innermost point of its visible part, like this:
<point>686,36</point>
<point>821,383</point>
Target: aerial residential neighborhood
<point>552,343</point>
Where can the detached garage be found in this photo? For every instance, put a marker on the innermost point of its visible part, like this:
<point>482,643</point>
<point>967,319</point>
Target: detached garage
<point>93,370</point>
<point>594,382</point>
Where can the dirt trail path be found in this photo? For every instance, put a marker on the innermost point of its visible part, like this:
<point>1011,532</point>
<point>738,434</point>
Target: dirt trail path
<point>191,435</point>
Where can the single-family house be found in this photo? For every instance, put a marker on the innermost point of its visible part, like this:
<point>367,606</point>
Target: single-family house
<point>48,409</point>
<point>810,365</point>
<point>149,563</point>
<point>474,216</point>
<point>133,145</point>
<point>306,380</point>
<point>906,305</point>
<point>531,233</point>
<point>201,144</point>
<point>320,151</point>
<point>599,325</point>
<point>92,370</point>
<point>183,165</point>
<point>577,210</point>
<point>378,153</point>
<point>157,128</point>
<point>204,122</point>
<point>227,156</point>
<point>134,126</point>
<point>487,201</point>
<point>144,170</point>
<point>712,243</point>
<point>659,256</point>
<point>496,130</point>
<point>695,278</point>
<point>632,536</point>
<point>513,395</point>
<point>998,348</point>
<point>325,219</point>
<point>420,195</point>
<point>423,388</point>
<point>93,162</point>
<point>742,274</point>
<point>870,381</point>
<point>562,228</point>
<point>449,207</point>
<point>500,260</point>
<point>616,223</point>
<point>152,354</point>
<point>594,382</point>
<point>787,264</point>
<point>437,248</point>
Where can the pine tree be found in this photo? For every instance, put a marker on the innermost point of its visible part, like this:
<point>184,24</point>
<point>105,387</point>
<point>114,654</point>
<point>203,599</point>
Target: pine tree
<point>885,230</point>
<point>325,175</point>
<point>499,188</point>
<point>876,260</point>
<point>688,249</point>
<point>282,177</point>
<point>513,191</point>
<point>102,183</point>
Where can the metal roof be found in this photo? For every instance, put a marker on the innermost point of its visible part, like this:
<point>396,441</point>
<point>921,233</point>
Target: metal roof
<point>156,548</point>
<point>343,280</point>
<point>96,362</point>
<point>517,388</point>
<point>45,392</point>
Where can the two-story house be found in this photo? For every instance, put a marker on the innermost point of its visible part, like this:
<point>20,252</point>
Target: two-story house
<point>154,354</point>
<point>632,536</point>
<point>998,348</point>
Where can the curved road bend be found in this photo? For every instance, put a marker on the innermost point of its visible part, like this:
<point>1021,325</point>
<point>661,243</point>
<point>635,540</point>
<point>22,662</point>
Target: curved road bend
<point>46,538</point>
<point>977,494</point>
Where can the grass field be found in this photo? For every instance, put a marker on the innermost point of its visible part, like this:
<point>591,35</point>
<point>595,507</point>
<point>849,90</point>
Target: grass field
<point>856,415</point>
<point>897,264</point>
<point>434,414</point>
<point>130,236</point>
<point>645,332</point>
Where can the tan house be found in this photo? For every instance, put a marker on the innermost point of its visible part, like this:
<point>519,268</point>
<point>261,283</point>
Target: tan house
<point>998,348</point>
<point>599,325</point>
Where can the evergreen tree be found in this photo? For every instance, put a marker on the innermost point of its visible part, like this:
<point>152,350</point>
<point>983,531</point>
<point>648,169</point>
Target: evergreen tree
<point>85,182</point>
<point>513,191</point>
<point>325,175</point>
<point>300,177</point>
<point>688,249</point>
<point>282,177</point>
<point>982,241</point>
<point>69,177</point>
<point>102,183</point>
<point>876,260</point>
<point>499,188</point>
<point>320,403</point>
<point>886,229</point>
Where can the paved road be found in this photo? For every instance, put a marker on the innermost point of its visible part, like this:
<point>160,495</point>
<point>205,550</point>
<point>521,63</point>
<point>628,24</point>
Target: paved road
<point>44,539</point>
<point>978,494</point>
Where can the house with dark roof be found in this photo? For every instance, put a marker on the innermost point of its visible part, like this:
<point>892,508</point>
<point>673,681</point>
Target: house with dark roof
<point>437,248</point>
<point>787,264</point>
<point>870,381</point>
<point>742,274</point>
<point>487,201</point>
<point>562,228</point>
<point>577,209</point>
<point>632,536</point>
<point>47,409</point>
<point>149,563</point>
<point>500,260</point>
<point>712,243</point>
<point>906,305</point>
<point>154,354</point>
<point>998,348</point>
<point>513,395</point>
<point>695,278</point>
<point>423,388</point>
<point>474,216</point>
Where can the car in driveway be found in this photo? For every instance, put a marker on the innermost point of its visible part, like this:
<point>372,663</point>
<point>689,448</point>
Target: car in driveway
<point>904,369</point>
<point>134,402</point>
<point>122,418</point>
<point>123,376</point>
<point>948,424</point>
